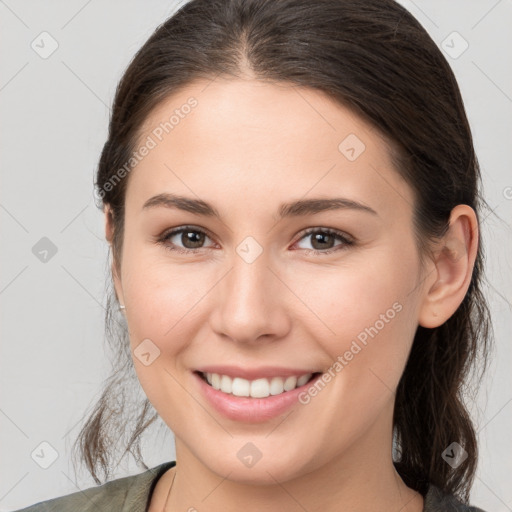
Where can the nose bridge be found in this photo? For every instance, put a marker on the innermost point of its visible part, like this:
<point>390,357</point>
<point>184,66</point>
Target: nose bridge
<point>249,279</point>
<point>251,300</point>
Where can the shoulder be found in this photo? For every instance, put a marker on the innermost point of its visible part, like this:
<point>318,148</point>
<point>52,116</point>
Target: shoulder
<point>437,500</point>
<point>130,493</point>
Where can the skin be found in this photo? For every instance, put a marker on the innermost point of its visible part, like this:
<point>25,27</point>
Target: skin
<point>246,148</point>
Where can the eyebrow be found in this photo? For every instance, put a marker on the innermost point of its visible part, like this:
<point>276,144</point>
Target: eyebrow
<point>298,208</point>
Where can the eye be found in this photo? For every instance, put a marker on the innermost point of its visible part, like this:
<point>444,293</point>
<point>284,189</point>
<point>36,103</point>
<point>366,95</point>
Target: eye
<point>322,240</point>
<point>191,237</point>
<point>192,240</point>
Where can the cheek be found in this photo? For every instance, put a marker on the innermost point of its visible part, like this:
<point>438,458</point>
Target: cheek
<point>159,297</point>
<point>367,318</point>
<point>374,330</point>
<point>355,296</point>
<point>160,308</point>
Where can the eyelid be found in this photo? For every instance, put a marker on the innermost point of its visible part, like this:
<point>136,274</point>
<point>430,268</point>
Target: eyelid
<point>185,227</point>
<point>346,240</point>
<point>175,231</point>
<point>331,231</point>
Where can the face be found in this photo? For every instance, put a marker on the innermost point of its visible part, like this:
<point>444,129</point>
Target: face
<point>264,288</point>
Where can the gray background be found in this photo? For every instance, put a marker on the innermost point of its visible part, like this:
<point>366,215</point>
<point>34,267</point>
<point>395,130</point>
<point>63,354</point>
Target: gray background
<point>54,114</point>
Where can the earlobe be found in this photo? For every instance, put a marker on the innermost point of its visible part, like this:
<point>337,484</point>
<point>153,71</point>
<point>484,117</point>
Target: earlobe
<point>109,229</point>
<point>454,262</point>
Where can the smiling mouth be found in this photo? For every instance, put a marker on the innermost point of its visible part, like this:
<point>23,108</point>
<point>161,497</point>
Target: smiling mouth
<point>258,388</point>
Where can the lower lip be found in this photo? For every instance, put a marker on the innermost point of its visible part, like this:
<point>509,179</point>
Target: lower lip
<point>251,410</point>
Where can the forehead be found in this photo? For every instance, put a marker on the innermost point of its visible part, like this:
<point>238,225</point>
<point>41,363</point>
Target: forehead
<point>262,140</point>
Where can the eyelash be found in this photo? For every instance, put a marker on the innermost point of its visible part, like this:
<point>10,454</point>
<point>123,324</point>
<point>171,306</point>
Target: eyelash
<point>347,241</point>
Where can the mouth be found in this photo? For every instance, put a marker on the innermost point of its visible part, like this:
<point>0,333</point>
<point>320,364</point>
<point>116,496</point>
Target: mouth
<point>257,388</point>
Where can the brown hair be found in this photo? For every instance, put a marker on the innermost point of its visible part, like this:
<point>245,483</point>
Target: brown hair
<point>375,58</point>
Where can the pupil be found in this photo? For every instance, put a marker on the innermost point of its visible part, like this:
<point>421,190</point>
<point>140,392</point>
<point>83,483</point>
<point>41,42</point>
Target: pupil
<point>192,237</point>
<point>318,238</point>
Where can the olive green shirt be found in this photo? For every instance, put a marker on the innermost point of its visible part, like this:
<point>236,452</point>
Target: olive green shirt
<point>133,494</point>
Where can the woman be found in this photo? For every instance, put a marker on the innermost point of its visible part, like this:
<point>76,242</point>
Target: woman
<point>295,252</point>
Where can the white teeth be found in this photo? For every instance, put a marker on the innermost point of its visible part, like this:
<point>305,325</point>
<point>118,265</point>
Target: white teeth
<point>226,384</point>
<point>259,388</point>
<point>290,383</point>
<point>239,387</point>
<point>302,380</point>
<point>276,386</point>
<point>214,380</point>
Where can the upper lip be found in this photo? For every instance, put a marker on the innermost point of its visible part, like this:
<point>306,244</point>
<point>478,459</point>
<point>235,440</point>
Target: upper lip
<point>255,373</point>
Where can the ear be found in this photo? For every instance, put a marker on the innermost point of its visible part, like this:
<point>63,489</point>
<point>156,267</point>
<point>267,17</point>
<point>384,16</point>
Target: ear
<point>453,267</point>
<point>109,235</point>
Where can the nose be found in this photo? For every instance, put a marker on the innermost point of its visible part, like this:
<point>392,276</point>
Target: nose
<point>251,302</point>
